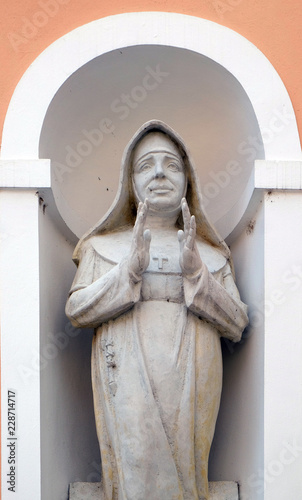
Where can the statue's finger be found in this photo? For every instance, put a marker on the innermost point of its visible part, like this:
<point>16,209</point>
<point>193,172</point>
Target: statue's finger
<point>147,238</point>
<point>143,211</point>
<point>181,238</point>
<point>138,213</point>
<point>192,233</point>
<point>138,229</point>
<point>146,206</point>
<point>186,215</point>
<point>193,224</point>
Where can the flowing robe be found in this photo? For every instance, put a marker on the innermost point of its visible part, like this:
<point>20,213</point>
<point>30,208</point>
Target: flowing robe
<point>156,363</point>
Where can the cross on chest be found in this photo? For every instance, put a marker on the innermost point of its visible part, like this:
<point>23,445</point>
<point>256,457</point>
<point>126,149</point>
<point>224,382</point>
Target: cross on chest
<point>160,261</point>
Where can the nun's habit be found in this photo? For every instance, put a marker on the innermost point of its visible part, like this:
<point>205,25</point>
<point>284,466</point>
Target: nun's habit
<point>156,357</point>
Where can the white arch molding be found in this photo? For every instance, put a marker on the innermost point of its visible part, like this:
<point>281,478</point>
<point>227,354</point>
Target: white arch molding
<point>258,78</point>
<point>241,58</point>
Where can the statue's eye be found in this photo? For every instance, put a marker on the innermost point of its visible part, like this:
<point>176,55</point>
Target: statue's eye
<point>174,167</point>
<point>145,167</point>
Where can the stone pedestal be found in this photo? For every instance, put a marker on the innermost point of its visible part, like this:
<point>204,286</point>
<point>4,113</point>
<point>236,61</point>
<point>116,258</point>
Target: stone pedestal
<point>220,490</point>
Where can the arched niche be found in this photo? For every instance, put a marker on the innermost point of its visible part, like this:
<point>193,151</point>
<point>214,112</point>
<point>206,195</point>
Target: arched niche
<point>210,92</point>
<point>97,110</point>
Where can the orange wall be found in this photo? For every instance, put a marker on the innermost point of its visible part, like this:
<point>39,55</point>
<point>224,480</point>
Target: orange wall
<point>274,26</point>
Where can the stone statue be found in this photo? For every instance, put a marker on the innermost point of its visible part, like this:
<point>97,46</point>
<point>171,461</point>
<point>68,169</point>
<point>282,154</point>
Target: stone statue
<point>157,285</point>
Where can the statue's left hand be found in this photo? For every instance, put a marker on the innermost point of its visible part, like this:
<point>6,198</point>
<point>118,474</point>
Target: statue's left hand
<point>190,261</point>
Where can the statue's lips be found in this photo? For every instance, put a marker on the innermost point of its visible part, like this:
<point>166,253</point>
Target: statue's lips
<point>160,189</point>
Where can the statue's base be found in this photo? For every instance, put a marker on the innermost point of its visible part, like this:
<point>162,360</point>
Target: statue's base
<point>219,490</point>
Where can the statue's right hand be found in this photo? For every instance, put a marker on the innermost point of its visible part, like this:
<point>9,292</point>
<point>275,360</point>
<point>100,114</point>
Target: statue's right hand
<point>139,253</point>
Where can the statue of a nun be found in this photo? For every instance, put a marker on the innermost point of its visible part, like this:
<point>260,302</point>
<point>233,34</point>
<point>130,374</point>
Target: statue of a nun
<point>156,283</point>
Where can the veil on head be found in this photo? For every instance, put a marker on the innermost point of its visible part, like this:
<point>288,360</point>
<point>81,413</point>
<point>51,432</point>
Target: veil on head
<point>122,213</point>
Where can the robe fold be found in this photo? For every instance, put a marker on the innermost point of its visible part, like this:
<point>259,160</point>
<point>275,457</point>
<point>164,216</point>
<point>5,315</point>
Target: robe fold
<point>156,363</point>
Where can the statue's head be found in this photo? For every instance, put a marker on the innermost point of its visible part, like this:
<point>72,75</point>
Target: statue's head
<point>156,165</point>
<point>158,173</point>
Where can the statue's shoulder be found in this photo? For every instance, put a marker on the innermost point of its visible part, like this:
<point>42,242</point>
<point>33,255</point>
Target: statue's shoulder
<point>112,246</point>
<point>211,256</point>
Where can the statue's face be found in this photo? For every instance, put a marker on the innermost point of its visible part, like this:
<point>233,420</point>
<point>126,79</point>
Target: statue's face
<point>159,173</point>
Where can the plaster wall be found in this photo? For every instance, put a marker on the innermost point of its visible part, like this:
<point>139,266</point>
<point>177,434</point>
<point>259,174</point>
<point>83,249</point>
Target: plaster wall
<point>237,452</point>
<point>20,314</point>
<point>69,446</point>
<point>283,344</point>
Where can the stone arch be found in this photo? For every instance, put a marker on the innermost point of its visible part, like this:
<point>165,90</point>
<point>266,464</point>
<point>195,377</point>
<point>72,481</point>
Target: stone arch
<point>63,57</point>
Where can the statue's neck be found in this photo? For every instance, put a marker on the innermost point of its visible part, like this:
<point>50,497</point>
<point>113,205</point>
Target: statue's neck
<point>160,223</point>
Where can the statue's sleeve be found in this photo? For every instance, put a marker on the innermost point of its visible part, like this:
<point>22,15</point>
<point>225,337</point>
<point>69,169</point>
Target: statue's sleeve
<point>217,303</point>
<point>100,291</point>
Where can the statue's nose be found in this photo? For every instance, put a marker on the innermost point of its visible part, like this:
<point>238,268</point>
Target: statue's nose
<point>159,171</point>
